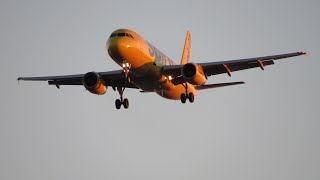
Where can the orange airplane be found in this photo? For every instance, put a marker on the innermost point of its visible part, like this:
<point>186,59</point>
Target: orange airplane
<point>145,67</point>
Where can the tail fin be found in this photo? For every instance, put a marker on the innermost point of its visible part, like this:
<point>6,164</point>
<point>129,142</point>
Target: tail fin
<point>186,55</point>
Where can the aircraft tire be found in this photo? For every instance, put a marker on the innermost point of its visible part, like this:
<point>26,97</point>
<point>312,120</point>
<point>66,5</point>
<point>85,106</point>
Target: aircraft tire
<point>183,98</point>
<point>118,103</point>
<point>191,97</point>
<point>126,103</point>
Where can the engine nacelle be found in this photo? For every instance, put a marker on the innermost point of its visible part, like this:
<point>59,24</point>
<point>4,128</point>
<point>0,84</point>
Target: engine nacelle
<point>193,74</point>
<point>93,83</point>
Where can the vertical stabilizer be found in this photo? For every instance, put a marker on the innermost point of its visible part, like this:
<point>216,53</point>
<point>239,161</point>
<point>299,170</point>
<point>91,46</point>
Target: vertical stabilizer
<point>186,55</point>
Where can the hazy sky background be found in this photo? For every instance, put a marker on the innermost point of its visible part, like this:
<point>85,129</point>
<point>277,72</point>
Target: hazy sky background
<point>266,129</point>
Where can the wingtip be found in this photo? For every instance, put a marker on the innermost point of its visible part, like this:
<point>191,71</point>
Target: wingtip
<point>304,53</point>
<point>18,79</point>
<point>239,83</point>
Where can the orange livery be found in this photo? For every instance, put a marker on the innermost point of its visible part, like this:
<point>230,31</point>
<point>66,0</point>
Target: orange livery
<point>145,67</point>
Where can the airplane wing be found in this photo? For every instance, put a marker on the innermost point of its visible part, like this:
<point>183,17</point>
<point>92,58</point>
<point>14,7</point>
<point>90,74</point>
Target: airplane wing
<point>214,68</point>
<point>111,78</point>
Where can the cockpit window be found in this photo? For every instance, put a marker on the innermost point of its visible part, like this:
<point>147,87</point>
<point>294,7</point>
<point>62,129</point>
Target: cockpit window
<point>129,35</point>
<point>121,34</point>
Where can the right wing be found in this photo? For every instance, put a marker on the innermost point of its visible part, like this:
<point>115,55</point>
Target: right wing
<point>110,78</point>
<point>215,68</point>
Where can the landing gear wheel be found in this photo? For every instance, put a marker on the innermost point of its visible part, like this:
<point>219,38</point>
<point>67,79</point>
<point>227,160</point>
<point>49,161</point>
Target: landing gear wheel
<point>121,101</point>
<point>125,103</point>
<point>191,97</point>
<point>118,104</point>
<point>183,98</point>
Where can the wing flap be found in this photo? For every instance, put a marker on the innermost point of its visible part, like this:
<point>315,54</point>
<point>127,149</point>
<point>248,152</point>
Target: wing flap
<point>65,82</point>
<point>211,86</point>
<point>221,68</point>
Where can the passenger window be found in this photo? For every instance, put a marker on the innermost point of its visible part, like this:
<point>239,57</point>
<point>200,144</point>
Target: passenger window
<point>113,35</point>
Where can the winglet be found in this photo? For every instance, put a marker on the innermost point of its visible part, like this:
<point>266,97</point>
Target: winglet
<point>186,55</point>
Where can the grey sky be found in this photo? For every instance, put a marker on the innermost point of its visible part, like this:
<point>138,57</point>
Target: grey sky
<point>266,129</point>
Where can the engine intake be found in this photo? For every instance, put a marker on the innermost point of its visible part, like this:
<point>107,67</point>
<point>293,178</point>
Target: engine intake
<point>193,74</point>
<point>93,83</point>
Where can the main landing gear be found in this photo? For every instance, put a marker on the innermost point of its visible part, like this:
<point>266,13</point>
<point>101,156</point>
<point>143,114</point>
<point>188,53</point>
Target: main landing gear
<point>125,101</point>
<point>185,96</point>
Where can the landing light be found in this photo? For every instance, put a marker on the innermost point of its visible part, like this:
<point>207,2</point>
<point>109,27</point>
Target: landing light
<point>170,78</point>
<point>125,65</point>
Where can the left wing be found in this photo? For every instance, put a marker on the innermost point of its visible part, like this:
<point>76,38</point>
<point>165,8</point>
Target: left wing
<point>214,68</point>
<point>110,78</point>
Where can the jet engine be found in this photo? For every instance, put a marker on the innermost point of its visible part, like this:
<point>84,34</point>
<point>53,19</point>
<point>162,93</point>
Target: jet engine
<point>93,83</point>
<point>193,74</point>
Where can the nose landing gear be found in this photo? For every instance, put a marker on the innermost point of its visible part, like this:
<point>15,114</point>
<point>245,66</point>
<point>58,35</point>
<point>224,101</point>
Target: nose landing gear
<point>121,101</point>
<point>125,101</point>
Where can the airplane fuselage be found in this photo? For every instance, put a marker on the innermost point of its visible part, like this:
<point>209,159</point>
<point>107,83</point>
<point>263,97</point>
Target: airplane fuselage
<point>146,61</point>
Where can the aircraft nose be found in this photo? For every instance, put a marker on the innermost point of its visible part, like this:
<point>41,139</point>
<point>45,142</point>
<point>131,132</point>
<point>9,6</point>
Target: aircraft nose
<point>117,47</point>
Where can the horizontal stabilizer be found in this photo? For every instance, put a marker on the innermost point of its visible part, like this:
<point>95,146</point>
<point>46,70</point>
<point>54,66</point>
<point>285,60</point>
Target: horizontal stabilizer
<point>210,86</point>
